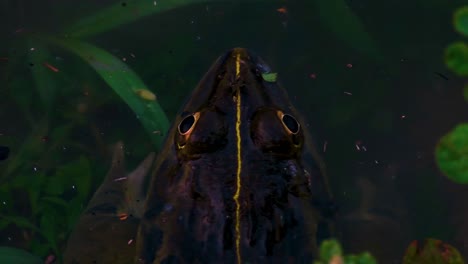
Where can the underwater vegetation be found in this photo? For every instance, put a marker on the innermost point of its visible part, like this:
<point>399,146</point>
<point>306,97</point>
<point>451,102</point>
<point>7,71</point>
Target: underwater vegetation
<point>56,187</point>
<point>452,150</point>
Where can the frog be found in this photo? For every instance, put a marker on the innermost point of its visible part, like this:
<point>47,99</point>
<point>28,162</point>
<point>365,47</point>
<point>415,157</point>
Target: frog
<point>237,180</point>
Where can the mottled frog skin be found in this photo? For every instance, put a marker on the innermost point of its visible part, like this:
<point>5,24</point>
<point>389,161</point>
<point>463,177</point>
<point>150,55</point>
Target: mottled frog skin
<point>231,184</point>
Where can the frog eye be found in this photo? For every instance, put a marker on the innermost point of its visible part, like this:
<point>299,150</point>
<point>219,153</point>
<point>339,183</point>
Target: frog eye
<point>188,123</point>
<point>289,122</point>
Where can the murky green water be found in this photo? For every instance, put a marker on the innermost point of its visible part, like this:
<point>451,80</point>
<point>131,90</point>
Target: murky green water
<point>368,76</point>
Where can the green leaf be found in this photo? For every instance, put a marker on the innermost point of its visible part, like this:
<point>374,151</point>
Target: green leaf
<point>347,27</point>
<point>270,77</point>
<point>452,154</point>
<point>363,258</point>
<point>124,82</point>
<point>456,58</point>
<point>460,20</point>
<point>30,150</point>
<point>56,201</point>
<point>119,14</point>
<point>74,211</point>
<point>76,173</point>
<point>46,84</point>
<point>432,251</point>
<point>328,249</point>
<point>16,255</point>
<point>48,226</point>
<point>20,222</point>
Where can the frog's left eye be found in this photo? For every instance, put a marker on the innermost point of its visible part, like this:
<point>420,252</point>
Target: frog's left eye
<point>201,132</point>
<point>188,123</point>
<point>289,122</point>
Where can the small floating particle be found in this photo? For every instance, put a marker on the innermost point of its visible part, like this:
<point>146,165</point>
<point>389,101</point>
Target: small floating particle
<point>123,216</point>
<point>403,117</point>
<point>52,68</point>
<point>133,55</point>
<point>130,241</point>
<point>270,77</point>
<point>120,179</point>
<point>441,76</point>
<point>313,76</point>
<point>349,65</point>
<point>347,93</point>
<point>157,132</point>
<point>146,94</point>
<point>282,10</point>
<point>325,146</point>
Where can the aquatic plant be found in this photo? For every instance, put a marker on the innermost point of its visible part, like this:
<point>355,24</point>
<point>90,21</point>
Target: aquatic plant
<point>54,168</point>
<point>332,253</point>
<point>452,150</point>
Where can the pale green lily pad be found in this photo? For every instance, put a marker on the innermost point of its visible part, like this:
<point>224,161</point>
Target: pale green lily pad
<point>452,154</point>
<point>270,77</point>
<point>460,20</point>
<point>432,251</point>
<point>456,58</point>
<point>16,255</point>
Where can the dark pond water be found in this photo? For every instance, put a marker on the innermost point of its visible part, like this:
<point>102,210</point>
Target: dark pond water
<point>368,76</point>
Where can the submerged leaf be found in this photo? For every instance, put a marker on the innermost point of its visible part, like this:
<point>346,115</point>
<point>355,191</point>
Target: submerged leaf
<point>328,249</point>
<point>346,26</point>
<point>452,154</point>
<point>124,82</point>
<point>456,58</point>
<point>16,255</point>
<point>432,251</point>
<point>120,13</point>
<point>460,20</point>
<point>46,85</point>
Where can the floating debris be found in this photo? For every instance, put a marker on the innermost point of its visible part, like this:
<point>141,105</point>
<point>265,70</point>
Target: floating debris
<point>52,68</point>
<point>146,94</point>
<point>282,10</point>
<point>441,76</point>
<point>123,216</point>
<point>270,77</point>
